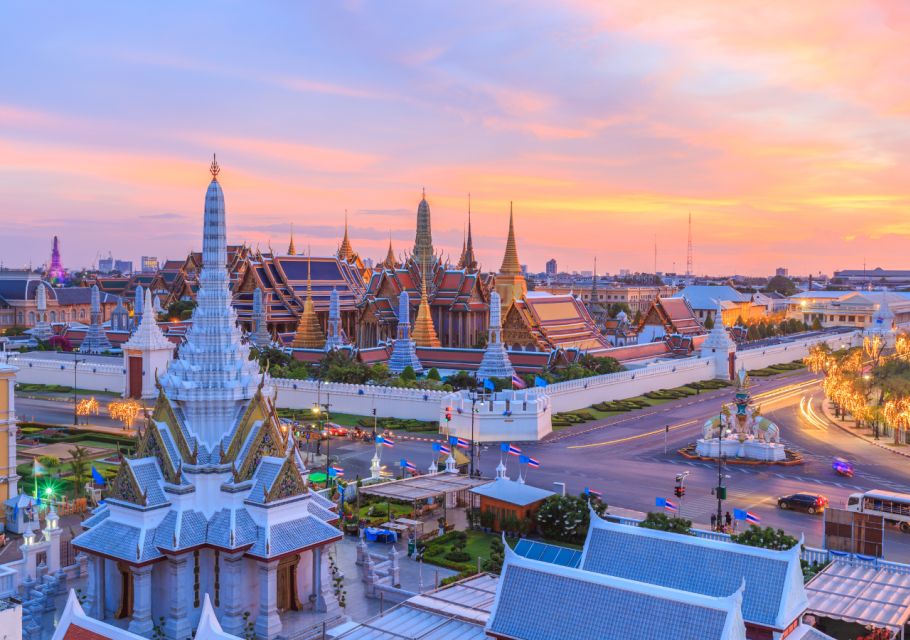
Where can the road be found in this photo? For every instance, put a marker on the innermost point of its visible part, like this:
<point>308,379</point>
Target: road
<point>624,459</point>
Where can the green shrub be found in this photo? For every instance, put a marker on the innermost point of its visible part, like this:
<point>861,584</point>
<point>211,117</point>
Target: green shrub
<point>458,556</point>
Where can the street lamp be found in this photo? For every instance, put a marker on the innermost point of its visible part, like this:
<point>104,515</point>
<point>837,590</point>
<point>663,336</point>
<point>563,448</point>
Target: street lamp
<point>322,413</point>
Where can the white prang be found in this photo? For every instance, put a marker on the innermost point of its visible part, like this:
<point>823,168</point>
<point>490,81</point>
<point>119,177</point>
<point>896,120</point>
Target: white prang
<point>214,373</point>
<point>495,362</point>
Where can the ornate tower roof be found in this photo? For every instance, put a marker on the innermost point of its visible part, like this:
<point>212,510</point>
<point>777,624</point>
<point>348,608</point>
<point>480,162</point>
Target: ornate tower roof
<point>147,335</point>
<point>495,362</point>
<point>260,334</point>
<point>424,333</point>
<point>213,374</point>
<point>95,341</point>
<point>292,250</point>
<point>470,260</point>
<point>423,241</point>
<point>333,339</point>
<point>346,251</point>
<point>390,261</point>
<point>510,265</point>
<point>403,352</point>
<point>55,271</point>
<point>309,332</point>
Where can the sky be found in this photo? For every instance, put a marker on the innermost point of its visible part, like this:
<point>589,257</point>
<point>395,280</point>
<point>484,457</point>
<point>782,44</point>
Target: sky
<point>782,128</point>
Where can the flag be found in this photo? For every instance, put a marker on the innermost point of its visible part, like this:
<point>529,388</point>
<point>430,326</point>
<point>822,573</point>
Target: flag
<point>461,443</point>
<point>660,502</point>
<point>436,446</point>
<point>517,381</point>
<point>444,449</point>
<point>670,506</point>
<point>540,382</point>
<point>504,447</point>
<point>590,492</point>
<point>336,472</point>
<point>37,468</point>
<point>523,459</point>
<point>97,478</point>
<point>751,518</point>
<point>407,464</point>
<point>739,514</point>
<point>488,384</point>
<point>533,463</point>
<point>513,450</point>
<point>387,441</point>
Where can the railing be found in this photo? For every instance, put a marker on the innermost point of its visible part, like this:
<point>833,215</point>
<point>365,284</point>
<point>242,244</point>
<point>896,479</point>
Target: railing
<point>648,371</point>
<point>698,533</point>
<point>8,581</point>
<point>67,552</point>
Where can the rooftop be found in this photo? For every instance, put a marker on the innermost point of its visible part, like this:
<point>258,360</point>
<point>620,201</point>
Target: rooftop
<point>517,493</point>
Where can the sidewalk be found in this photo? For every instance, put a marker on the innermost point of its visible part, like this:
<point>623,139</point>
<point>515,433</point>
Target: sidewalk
<point>863,433</point>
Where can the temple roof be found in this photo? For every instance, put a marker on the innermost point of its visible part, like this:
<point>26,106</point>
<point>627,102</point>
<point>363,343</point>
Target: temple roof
<point>559,322</point>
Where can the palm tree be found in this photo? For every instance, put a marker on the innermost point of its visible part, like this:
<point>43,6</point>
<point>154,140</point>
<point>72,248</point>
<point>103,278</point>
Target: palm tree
<point>79,466</point>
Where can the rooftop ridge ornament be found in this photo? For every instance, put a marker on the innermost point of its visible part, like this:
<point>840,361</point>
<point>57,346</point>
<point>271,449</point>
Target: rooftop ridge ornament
<point>214,169</point>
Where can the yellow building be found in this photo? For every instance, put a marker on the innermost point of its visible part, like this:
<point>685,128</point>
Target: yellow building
<point>8,478</point>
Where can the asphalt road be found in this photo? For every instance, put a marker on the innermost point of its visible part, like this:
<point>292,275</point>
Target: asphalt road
<point>624,459</point>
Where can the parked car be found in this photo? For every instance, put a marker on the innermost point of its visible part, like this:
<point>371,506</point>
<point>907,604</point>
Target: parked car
<point>808,502</point>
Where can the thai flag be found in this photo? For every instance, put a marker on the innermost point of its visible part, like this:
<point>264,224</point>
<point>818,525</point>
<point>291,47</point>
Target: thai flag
<point>751,518</point>
<point>444,449</point>
<point>533,463</point>
<point>387,441</point>
<point>461,443</point>
<point>591,492</point>
<point>336,472</point>
<point>670,506</point>
<point>514,451</point>
<point>407,464</point>
<point>517,381</point>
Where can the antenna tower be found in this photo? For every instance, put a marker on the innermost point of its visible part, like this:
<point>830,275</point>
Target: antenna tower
<point>689,250</point>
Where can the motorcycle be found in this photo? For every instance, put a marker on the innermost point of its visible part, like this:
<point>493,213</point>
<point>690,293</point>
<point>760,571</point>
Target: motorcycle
<point>842,467</point>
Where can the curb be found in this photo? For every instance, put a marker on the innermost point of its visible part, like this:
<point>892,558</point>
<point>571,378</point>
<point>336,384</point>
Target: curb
<point>861,436</point>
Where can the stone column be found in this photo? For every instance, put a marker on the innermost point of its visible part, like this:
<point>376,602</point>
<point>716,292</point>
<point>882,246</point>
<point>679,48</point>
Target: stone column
<point>141,623</point>
<point>319,603</point>
<point>323,588</point>
<point>268,623</point>
<point>232,593</point>
<point>178,624</point>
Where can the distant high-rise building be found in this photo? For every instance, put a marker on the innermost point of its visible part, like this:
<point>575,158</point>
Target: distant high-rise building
<point>782,271</point>
<point>149,264</point>
<point>123,266</point>
<point>551,267</point>
<point>55,272</point>
<point>106,265</point>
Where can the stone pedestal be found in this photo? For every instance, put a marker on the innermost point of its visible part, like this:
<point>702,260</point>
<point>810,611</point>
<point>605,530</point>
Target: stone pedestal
<point>750,449</point>
<point>141,623</point>
<point>268,623</point>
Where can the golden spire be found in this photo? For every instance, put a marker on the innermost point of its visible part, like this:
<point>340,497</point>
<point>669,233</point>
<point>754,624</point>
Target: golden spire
<point>510,265</point>
<point>292,250</point>
<point>390,261</point>
<point>214,169</point>
<point>423,332</point>
<point>309,333</point>
<point>346,251</point>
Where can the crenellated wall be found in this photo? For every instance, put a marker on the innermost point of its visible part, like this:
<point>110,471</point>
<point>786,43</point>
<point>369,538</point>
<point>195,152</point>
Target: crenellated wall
<point>91,375</point>
<point>360,399</point>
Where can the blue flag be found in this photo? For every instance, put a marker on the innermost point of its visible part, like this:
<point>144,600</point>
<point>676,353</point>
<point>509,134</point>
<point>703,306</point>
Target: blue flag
<point>488,384</point>
<point>739,514</point>
<point>436,446</point>
<point>504,447</point>
<point>523,459</point>
<point>453,441</point>
<point>97,478</point>
<point>540,382</point>
<point>660,502</point>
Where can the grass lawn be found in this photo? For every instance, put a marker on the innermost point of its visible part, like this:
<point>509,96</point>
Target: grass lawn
<point>381,510</point>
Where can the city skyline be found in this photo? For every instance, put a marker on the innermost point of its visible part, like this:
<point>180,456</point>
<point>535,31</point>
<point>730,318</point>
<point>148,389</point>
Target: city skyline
<point>781,135</point>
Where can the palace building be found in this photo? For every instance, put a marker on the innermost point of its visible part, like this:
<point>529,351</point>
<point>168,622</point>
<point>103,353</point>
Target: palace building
<point>215,503</point>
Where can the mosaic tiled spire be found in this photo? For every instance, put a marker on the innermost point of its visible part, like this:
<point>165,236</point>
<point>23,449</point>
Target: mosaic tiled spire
<point>95,341</point>
<point>423,241</point>
<point>424,331</point>
<point>309,332</point>
<point>55,272</point>
<point>470,260</point>
<point>510,283</point>
<point>260,335</point>
<point>42,329</point>
<point>334,340</point>
<point>495,362</point>
<point>138,306</point>
<point>403,351</point>
<point>390,261</point>
<point>148,335</point>
<point>292,250</point>
<point>346,251</point>
<point>213,374</point>
<point>510,265</point>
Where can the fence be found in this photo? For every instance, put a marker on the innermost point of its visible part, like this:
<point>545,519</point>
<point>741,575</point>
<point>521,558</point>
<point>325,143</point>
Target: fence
<point>90,375</point>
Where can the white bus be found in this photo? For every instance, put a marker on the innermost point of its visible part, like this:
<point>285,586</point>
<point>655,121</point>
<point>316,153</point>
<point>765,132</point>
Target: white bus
<point>894,507</point>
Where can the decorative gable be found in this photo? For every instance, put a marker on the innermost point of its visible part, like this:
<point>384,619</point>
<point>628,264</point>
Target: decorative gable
<point>152,444</point>
<point>126,488</point>
<point>288,483</point>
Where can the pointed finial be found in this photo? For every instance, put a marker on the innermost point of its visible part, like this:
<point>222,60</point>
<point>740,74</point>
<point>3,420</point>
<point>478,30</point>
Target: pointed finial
<point>292,250</point>
<point>214,169</point>
<point>423,191</point>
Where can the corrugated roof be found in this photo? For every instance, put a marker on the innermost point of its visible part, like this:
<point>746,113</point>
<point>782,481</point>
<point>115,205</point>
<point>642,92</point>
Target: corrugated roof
<point>517,493</point>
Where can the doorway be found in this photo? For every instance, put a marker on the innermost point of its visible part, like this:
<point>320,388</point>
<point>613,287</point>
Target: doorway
<point>125,609</point>
<point>287,584</point>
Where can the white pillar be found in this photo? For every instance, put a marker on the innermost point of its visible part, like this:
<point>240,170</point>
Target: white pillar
<point>141,623</point>
<point>232,593</point>
<point>178,624</point>
<point>268,623</point>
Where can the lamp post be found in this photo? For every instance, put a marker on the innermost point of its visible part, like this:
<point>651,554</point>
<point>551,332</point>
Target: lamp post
<point>720,489</point>
<point>322,413</point>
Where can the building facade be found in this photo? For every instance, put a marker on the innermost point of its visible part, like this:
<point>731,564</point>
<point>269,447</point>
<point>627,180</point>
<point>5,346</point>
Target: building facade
<point>8,478</point>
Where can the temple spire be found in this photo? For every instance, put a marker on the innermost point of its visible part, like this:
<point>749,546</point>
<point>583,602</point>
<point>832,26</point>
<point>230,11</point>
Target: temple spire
<point>292,250</point>
<point>424,333</point>
<point>510,282</point>
<point>214,168</point>
<point>510,265</point>
<point>470,260</point>
<point>309,333</point>
<point>423,252</point>
<point>391,262</point>
<point>346,251</point>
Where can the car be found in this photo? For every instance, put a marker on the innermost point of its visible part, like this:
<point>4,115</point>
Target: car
<point>809,502</point>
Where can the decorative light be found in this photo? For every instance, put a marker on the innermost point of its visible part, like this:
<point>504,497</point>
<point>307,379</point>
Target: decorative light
<point>125,411</point>
<point>87,406</point>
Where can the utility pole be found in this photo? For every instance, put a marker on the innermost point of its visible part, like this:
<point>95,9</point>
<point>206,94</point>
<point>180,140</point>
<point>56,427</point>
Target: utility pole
<point>720,490</point>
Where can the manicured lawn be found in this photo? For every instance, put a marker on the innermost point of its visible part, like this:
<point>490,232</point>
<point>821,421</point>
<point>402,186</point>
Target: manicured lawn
<point>478,545</point>
<point>381,510</point>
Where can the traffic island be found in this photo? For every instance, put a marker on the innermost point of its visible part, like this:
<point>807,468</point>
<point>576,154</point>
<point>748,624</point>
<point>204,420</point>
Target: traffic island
<point>791,457</point>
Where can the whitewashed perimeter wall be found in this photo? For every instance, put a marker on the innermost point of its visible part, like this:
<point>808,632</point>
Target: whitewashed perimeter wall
<point>91,376</point>
<point>762,357</point>
<point>389,402</point>
<point>577,394</point>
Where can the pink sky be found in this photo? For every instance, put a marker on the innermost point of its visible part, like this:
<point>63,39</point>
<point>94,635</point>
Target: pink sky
<point>784,130</point>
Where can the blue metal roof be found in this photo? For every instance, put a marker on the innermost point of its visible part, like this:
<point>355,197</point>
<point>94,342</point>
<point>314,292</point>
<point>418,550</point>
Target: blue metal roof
<point>554,554</point>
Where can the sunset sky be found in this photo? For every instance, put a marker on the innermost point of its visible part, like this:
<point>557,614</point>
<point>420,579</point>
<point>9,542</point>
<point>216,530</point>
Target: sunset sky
<point>784,128</point>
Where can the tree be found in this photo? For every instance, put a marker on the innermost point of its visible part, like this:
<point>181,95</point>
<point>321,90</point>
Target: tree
<point>663,522</point>
<point>434,374</point>
<point>816,324</point>
<point>462,380</point>
<point>408,374</point>
<point>709,322</point>
<point>566,518</point>
<point>180,310</point>
<point>767,538</point>
<point>780,284</point>
<point>79,467</point>
<point>615,307</point>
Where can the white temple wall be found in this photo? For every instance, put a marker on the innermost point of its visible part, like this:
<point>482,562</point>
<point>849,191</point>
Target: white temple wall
<point>91,376</point>
<point>389,402</point>
<point>305,576</point>
<point>162,591</point>
<point>762,357</point>
<point>518,416</point>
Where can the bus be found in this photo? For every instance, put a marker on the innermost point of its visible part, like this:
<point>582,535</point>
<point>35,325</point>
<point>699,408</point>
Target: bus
<point>893,507</point>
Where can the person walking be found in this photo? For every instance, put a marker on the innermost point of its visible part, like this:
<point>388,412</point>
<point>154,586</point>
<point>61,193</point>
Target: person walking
<point>728,519</point>
<point>713,522</point>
